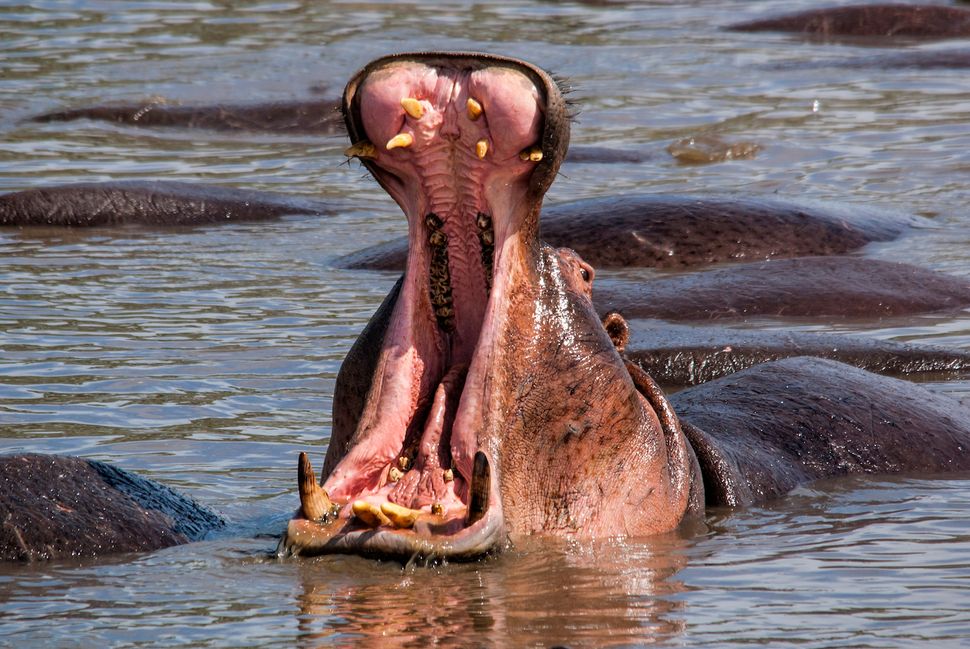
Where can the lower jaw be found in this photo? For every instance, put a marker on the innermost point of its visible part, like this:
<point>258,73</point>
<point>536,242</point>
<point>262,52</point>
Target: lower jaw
<point>304,537</point>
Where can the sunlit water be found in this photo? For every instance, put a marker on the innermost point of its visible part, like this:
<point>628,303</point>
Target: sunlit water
<point>205,358</point>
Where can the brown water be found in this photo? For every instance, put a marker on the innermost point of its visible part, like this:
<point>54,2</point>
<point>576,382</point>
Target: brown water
<point>205,358</point>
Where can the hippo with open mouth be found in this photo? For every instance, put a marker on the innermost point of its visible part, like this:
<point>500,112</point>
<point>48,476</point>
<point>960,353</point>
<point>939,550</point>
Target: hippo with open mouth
<point>486,400</point>
<point>495,375</point>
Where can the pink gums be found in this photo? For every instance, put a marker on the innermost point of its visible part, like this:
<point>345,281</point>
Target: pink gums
<point>423,366</point>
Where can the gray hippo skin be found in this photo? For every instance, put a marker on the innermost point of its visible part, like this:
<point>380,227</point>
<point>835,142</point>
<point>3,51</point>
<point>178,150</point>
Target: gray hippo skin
<point>150,203</point>
<point>321,117</point>
<point>486,402</point>
<point>679,355</point>
<point>845,287</point>
<point>55,507</point>
<point>675,232</point>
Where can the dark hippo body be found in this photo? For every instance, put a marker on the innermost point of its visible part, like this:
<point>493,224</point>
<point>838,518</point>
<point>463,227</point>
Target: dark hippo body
<point>678,355</point>
<point>761,432</point>
<point>318,117</point>
<point>845,287</point>
<point>689,231</point>
<point>878,20</point>
<point>54,507</point>
<point>152,203</point>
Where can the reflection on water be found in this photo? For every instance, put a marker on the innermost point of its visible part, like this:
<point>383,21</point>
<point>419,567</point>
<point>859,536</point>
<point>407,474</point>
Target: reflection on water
<point>206,357</point>
<point>531,597</point>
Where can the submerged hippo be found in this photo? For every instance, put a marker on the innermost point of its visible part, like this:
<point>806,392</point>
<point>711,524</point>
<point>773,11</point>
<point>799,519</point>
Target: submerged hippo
<point>153,203</point>
<point>486,401</point>
<point>675,232</point>
<point>55,507</point>
<point>876,20</point>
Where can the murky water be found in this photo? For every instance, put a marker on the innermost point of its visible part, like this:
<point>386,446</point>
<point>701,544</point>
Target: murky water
<point>206,357</point>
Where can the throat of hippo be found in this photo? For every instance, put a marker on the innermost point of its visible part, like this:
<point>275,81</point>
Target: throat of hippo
<point>422,442</point>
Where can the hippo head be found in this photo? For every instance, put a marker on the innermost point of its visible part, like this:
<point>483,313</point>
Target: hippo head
<point>498,406</point>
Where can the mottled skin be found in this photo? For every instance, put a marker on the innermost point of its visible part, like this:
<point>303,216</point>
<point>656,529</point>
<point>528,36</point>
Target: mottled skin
<point>878,20</point>
<point>673,232</point>
<point>844,287</point>
<point>678,355</point>
<point>151,203</point>
<point>763,431</point>
<point>54,507</point>
<point>318,117</point>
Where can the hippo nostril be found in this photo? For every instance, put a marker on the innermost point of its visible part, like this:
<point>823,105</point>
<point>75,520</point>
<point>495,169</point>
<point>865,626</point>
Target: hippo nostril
<point>478,494</point>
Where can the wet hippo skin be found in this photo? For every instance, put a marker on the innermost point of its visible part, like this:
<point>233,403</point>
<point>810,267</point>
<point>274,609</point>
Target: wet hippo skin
<point>688,231</point>
<point>677,355</point>
<point>54,507</point>
<point>850,287</point>
<point>879,20</point>
<point>484,358</point>
<point>320,117</point>
<point>762,431</point>
<point>153,203</point>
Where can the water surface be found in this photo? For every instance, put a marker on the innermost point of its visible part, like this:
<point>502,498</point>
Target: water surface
<point>206,357</point>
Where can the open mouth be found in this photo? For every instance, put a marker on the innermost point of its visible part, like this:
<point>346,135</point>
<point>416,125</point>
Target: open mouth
<point>466,144</point>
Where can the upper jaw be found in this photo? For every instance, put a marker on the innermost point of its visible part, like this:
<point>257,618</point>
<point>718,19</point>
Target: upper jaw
<point>467,145</point>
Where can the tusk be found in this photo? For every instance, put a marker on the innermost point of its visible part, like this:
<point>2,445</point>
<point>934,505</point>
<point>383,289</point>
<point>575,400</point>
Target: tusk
<point>474,109</point>
<point>479,490</point>
<point>412,107</point>
<point>401,140</point>
<point>369,514</point>
<point>399,516</point>
<point>314,500</point>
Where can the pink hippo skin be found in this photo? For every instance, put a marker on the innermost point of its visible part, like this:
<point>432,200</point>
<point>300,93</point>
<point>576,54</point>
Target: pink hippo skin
<point>497,405</point>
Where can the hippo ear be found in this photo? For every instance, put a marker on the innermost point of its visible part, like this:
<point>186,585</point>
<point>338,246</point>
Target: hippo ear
<point>618,331</point>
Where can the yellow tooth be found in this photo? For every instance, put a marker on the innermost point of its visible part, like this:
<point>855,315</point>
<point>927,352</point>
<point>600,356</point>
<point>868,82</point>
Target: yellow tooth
<point>362,149</point>
<point>394,474</point>
<point>437,509</point>
<point>533,153</point>
<point>314,499</point>
<point>448,475</point>
<point>412,107</point>
<point>402,140</point>
<point>399,516</point>
<point>474,109</point>
<point>369,513</point>
<point>481,148</point>
<point>404,462</point>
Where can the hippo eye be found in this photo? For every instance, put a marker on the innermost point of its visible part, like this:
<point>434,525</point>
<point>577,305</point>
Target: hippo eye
<point>584,274</point>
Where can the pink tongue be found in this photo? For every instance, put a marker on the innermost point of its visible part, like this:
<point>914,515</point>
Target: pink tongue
<point>424,484</point>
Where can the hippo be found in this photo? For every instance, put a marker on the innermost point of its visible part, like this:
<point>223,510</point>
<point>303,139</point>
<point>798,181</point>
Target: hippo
<point>677,355</point>
<point>680,232</point>
<point>845,287</point>
<point>152,203</point>
<point>315,117</point>
<point>486,401</point>
<point>56,507</point>
<point>876,20</point>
